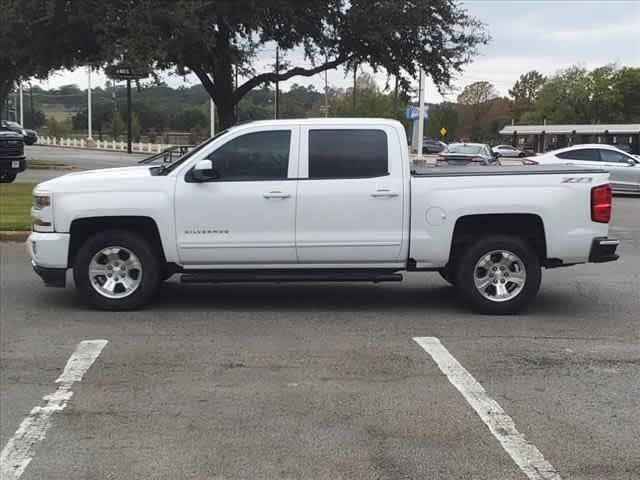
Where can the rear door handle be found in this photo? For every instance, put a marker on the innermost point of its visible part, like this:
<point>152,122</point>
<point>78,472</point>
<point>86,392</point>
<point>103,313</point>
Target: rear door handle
<point>384,193</point>
<point>275,194</point>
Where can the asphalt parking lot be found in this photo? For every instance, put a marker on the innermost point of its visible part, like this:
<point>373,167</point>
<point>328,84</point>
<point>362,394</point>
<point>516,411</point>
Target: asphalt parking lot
<point>326,381</point>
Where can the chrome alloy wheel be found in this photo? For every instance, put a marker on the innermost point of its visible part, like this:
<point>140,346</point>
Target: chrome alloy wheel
<point>115,272</point>
<point>499,276</point>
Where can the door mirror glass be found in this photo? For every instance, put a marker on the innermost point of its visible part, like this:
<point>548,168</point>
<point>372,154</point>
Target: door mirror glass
<point>203,171</point>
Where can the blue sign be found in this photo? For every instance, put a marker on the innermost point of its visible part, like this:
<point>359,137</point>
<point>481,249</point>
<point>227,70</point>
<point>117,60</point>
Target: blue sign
<point>413,112</point>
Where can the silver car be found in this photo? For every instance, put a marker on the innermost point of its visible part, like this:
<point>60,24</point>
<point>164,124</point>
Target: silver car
<point>623,167</point>
<point>508,151</point>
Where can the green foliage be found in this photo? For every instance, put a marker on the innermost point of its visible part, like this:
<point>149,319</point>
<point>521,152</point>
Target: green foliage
<point>442,115</point>
<point>525,92</point>
<point>57,129</point>
<point>608,94</point>
<point>477,95</point>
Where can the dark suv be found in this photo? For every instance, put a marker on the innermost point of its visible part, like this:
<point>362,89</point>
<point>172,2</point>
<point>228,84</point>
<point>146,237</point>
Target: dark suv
<point>12,159</point>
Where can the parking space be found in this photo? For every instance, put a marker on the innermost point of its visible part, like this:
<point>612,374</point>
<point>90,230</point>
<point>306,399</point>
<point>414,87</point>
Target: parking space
<point>326,382</point>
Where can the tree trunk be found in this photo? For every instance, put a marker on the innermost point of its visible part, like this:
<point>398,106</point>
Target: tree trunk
<point>226,108</point>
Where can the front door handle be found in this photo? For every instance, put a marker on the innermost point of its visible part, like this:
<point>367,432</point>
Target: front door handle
<point>384,193</point>
<point>275,194</point>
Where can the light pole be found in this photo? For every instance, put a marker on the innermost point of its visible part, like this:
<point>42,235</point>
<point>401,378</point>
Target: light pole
<point>212,118</point>
<point>277,105</point>
<point>21,107</point>
<point>421,119</point>
<point>89,113</point>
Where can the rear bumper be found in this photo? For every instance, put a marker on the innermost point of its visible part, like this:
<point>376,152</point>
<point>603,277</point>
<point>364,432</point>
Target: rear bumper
<point>603,249</point>
<point>52,277</point>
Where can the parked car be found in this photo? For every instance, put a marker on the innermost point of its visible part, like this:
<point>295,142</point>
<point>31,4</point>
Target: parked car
<point>320,200</point>
<point>508,151</point>
<point>30,136</point>
<point>462,154</point>
<point>433,146</point>
<point>12,160</point>
<point>623,167</point>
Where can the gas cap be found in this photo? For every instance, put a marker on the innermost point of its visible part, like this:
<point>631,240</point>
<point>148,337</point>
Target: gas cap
<point>436,216</point>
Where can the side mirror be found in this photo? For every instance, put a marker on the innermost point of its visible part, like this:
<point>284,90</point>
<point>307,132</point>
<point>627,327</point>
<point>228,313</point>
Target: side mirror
<point>497,155</point>
<point>633,162</point>
<point>203,171</point>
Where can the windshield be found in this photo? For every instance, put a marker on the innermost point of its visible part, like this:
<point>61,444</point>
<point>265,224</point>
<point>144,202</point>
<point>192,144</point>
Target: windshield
<point>169,168</point>
<point>464,148</point>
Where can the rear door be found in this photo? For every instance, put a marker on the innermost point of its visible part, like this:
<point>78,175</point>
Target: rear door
<point>351,196</point>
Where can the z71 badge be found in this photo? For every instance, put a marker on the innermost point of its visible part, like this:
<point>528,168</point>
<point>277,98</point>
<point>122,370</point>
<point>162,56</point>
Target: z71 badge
<point>577,180</point>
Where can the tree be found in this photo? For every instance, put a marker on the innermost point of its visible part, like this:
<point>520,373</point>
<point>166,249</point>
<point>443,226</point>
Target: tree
<point>38,36</point>
<point>565,98</point>
<point>477,95</point>
<point>525,91</point>
<point>442,115</point>
<point>217,40</point>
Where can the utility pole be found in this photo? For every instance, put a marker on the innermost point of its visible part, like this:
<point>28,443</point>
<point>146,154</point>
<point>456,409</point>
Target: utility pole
<point>277,104</point>
<point>326,91</point>
<point>89,112</point>
<point>355,79</point>
<point>212,117</point>
<point>21,106</point>
<point>31,105</point>
<point>395,98</point>
<point>236,89</point>
<point>421,119</point>
<point>129,130</point>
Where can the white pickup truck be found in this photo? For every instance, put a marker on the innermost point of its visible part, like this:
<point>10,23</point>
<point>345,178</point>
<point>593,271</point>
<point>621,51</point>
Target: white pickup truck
<point>317,200</point>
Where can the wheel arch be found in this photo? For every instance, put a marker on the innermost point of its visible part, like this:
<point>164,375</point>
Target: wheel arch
<point>83,228</point>
<point>527,226</point>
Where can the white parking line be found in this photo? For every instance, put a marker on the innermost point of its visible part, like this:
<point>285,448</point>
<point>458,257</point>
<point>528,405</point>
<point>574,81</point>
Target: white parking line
<point>20,448</point>
<point>525,454</point>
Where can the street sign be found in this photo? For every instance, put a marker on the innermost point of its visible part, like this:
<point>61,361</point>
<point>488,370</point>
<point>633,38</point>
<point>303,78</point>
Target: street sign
<point>123,72</point>
<point>443,131</point>
<point>413,112</point>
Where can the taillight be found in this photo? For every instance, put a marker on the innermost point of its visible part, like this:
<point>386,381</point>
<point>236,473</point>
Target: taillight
<point>601,203</point>
<point>478,160</point>
<point>528,161</point>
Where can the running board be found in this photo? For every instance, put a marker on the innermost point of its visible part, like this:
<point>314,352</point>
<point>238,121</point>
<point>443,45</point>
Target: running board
<point>306,276</point>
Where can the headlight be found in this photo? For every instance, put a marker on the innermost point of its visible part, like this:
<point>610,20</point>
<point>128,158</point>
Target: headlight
<point>41,201</point>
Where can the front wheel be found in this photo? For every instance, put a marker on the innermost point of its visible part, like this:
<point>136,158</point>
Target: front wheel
<point>7,176</point>
<point>117,270</point>
<point>499,275</point>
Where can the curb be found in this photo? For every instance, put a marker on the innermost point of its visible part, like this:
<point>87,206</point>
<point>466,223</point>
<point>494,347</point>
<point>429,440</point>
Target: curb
<point>14,235</point>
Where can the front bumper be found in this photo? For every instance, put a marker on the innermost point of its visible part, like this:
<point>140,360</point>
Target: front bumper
<point>16,164</point>
<point>603,249</point>
<point>52,277</point>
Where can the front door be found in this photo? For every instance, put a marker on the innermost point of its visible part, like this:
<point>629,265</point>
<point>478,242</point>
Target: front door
<point>246,215</point>
<point>350,197</point>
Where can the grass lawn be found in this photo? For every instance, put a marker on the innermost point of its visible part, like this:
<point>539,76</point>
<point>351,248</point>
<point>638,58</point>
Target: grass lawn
<point>15,206</point>
<point>39,164</point>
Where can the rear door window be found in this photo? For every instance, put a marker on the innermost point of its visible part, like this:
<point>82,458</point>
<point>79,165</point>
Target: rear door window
<point>585,154</point>
<point>348,154</point>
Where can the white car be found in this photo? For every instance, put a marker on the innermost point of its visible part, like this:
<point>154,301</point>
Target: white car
<point>508,151</point>
<point>623,167</point>
<point>317,200</point>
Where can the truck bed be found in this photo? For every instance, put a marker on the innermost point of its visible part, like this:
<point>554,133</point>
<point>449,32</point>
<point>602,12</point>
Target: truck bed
<point>476,171</point>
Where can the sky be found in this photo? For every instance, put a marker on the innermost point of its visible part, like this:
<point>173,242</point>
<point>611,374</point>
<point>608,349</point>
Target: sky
<point>545,35</point>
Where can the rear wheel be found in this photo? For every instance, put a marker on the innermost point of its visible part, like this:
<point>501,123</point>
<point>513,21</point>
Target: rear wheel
<point>499,274</point>
<point>7,176</point>
<point>117,270</point>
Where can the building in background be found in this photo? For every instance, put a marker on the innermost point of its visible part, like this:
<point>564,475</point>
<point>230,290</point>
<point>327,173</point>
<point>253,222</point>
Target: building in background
<point>541,138</point>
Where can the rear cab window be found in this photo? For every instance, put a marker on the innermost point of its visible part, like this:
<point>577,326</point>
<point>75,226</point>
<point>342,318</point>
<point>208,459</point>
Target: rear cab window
<point>348,153</point>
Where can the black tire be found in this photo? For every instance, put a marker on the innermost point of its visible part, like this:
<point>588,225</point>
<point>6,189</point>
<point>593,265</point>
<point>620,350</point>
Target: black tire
<point>7,177</point>
<point>448,275</point>
<point>148,256</point>
<point>466,274</point>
